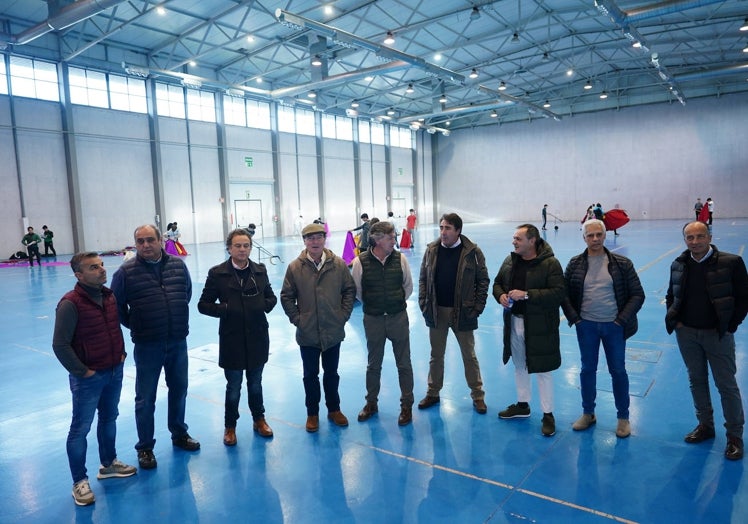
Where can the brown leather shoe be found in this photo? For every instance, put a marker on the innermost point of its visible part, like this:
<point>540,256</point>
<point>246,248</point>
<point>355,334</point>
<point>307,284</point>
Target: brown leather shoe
<point>229,436</point>
<point>312,423</point>
<point>262,428</point>
<point>427,402</point>
<point>338,418</point>
<point>406,416</point>
<point>480,406</point>
<point>368,411</point>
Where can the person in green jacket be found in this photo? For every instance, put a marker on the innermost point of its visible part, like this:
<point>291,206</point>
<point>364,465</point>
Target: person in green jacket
<point>530,286</point>
<point>31,241</point>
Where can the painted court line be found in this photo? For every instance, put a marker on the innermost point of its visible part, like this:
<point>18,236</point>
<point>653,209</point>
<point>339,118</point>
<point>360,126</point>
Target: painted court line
<point>504,485</point>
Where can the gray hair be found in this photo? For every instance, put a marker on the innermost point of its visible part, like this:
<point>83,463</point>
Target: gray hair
<point>380,230</point>
<point>592,222</point>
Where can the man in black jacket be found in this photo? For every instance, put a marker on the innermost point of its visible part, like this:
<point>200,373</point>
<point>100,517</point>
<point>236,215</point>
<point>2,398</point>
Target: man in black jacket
<point>604,295</point>
<point>707,299</point>
<point>153,292</point>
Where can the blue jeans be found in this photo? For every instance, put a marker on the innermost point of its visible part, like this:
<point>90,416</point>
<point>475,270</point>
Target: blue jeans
<point>310,358</point>
<point>589,335</point>
<point>150,357</point>
<point>234,391</point>
<point>100,391</point>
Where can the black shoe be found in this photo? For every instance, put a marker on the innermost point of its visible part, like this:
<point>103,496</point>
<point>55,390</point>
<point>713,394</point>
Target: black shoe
<point>186,442</point>
<point>734,449</point>
<point>146,459</point>
<point>700,434</point>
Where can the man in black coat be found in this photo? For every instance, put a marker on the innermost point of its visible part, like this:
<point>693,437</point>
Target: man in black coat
<point>238,292</point>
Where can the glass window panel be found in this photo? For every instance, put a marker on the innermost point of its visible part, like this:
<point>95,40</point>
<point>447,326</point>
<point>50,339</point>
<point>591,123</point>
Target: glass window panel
<point>328,126</point>
<point>377,133</point>
<point>364,133</point>
<point>344,128</point>
<point>3,78</point>
<point>305,122</point>
<point>286,119</point>
<point>78,95</point>
<point>234,111</point>
<point>77,76</point>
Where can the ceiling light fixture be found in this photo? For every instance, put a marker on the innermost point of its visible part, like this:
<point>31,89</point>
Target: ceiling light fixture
<point>637,44</point>
<point>354,103</point>
<point>588,85</point>
<point>547,104</point>
<point>311,94</point>
<point>515,37</point>
<point>390,112</point>
<point>475,14</point>
<point>745,49</point>
<point>603,95</point>
<point>409,89</point>
<point>193,63</point>
<point>161,10</point>
<point>546,56</point>
<point>494,114</point>
<point>473,73</point>
<point>570,72</point>
<point>250,38</point>
<point>502,86</point>
<point>316,61</point>
<point>443,99</point>
<point>390,38</point>
<point>744,27</point>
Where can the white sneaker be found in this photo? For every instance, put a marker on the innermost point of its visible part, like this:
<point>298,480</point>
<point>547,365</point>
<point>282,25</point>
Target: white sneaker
<point>584,422</point>
<point>82,493</point>
<point>116,469</point>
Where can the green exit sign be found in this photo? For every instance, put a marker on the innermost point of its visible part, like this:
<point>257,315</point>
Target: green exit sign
<point>249,161</point>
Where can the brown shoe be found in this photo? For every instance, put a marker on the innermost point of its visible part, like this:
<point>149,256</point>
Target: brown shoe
<point>312,423</point>
<point>427,402</point>
<point>406,416</point>
<point>338,418</point>
<point>480,406</point>
<point>229,436</point>
<point>262,428</point>
<point>368,411</point>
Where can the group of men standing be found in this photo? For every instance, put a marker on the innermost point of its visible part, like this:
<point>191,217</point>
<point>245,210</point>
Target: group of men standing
<point>600,294</point>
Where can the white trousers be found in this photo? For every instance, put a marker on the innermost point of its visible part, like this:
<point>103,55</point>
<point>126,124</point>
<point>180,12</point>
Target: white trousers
<point>521,376</point>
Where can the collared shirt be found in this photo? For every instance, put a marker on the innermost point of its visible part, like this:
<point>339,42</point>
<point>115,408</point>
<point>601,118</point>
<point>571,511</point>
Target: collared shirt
<point>705,258</point>
<point>456,244</point>
<point>321,262</point>
<point>357,271</point>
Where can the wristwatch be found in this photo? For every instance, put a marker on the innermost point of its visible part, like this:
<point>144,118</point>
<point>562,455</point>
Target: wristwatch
<point>527,296</point>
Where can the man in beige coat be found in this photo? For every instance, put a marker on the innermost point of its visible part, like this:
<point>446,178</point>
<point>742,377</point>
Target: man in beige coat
<point>317,295</point>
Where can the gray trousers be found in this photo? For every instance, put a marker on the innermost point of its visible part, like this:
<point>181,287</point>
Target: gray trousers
<point>379,329</point>
<point>702,349</point>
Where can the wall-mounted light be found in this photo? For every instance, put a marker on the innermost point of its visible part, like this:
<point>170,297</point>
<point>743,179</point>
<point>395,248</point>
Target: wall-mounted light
<point>431,130</point>
<point>192,83</point>
<point>603,95</point>
<point>316,61</point>
<point>502,86</point>
<point>132,70</point>
<point>473,73</point>
<point>445,132</point>
<point>409,89</point>
<point>390,38</point>
<point>588,85</point>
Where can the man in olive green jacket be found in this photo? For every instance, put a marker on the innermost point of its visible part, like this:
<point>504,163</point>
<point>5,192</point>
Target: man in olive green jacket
<point>317,296</point>
<point>452,293</point>
<point>530,286</point>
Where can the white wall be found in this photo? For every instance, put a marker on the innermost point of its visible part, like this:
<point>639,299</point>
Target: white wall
<point>654,161</point>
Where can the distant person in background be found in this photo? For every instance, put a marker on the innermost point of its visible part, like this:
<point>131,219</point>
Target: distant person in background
<point>363,239</point>
<point>298,225</point>
<point>238,292</point>
<point>597,210</point>
<point>710,206</point>
<point>697,207</point>
<point>31,241</point>
<point>544,213</point>
<point>391,220</point>
<point>410,224</point>
<point>48,242</point>
<point>88,342</point>
<point>172,245</point>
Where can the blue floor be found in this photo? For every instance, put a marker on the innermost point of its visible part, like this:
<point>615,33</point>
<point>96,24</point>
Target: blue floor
<point>451,465</point>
